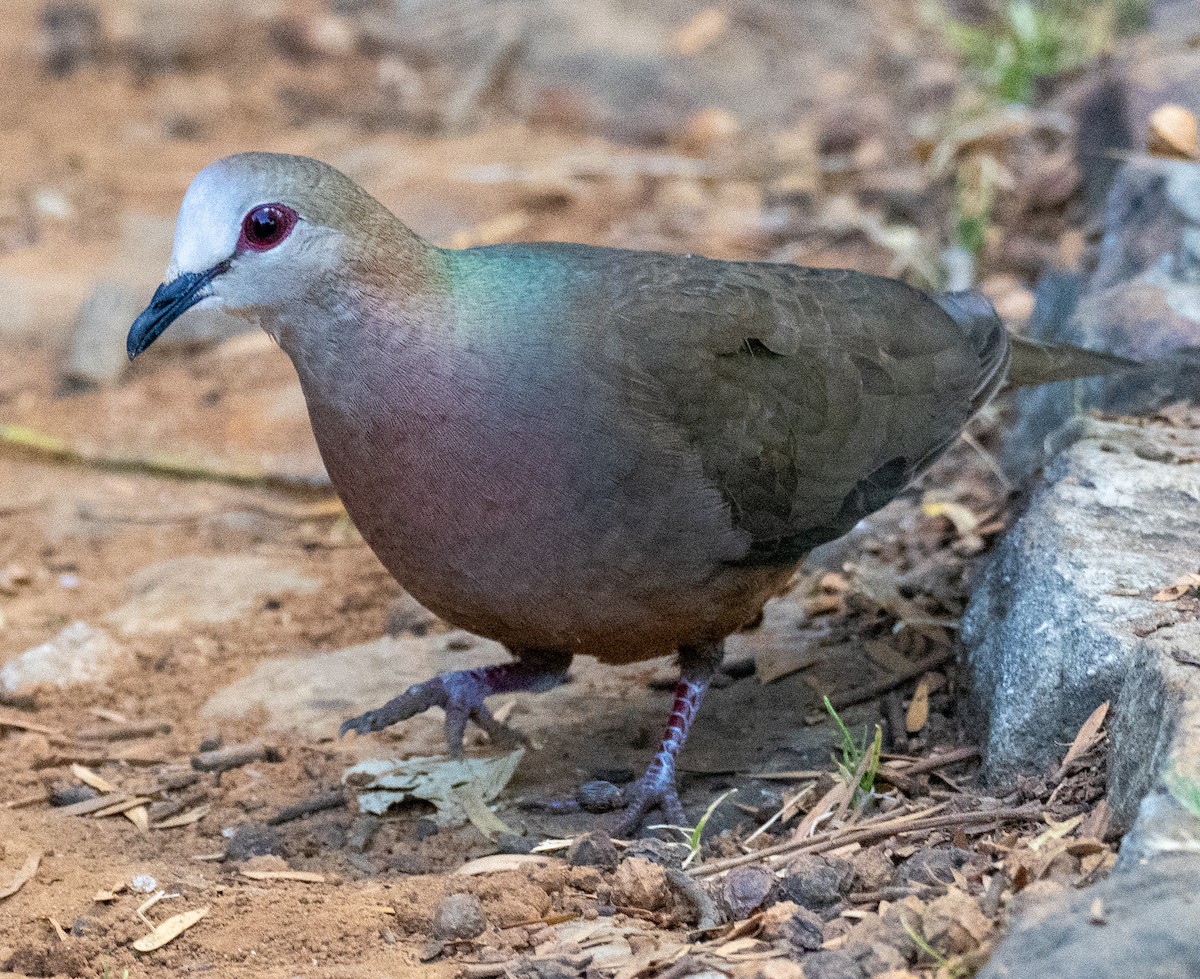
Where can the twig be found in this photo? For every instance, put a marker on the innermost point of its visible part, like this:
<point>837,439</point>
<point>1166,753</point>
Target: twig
<point>330,800</point>
<point>934,762</point>
<point>851,697</point>
<point>32,442</point>
<point>234,756</point>
<point>690,888</point>
<point>895,894</point>
<point>122,732</point>
<point>870,833</point>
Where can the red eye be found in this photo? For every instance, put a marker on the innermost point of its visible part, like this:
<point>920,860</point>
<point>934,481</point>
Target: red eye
<point>266,226</point>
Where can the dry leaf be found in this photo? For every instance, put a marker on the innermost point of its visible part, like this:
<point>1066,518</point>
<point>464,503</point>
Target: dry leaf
<point>28,869</point>
<point>500,862</point>
<point>88,777</point>
<point>839,795</point>
<point>1056,831</point>
<point>88,806</point>
<point>701,31</point>
<point>184,818</point>
<point>121,807</point>
<point>304,876</point>
<point>964,519</point>
<point>482,818</point>
<point>103,897</point>
<point>1089,734</point>
<point>918,709</point>
<point>169,930</point>
<point>8,720</point>
<point>1178,588</point>
<point>382,783</point>
<point>1173,133</point>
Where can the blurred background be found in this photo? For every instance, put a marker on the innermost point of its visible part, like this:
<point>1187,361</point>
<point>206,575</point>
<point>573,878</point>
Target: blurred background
<point>1027,147</point>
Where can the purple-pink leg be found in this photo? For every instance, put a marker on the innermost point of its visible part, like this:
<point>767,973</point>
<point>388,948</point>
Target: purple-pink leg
<point>461,695</point>
<point>656,789</point>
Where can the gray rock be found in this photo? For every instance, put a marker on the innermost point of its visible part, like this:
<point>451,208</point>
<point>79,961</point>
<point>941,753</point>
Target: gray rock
<point>314,693</point>
<point>459,917</point>
<point>81,653</point>
<point>253,840</point>
<point>593,850</point>
<point>1141,300</point>
<point>746,889</point>
<point>97,355</point>
<point>1062,618</point>
<point>197,590</point>
<point>1140,923</point>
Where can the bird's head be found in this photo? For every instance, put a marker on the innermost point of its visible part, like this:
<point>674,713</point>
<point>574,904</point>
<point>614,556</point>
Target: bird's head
<point>260,234</point>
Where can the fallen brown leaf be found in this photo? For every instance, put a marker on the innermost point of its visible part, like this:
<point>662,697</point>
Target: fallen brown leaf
<point>1177,588</point>
<point>918,709</point>
<point>24,875</point>
<point>304,876</point>
<point>1089,734</point>
<point>169,930</point>
<point>1173,133</point>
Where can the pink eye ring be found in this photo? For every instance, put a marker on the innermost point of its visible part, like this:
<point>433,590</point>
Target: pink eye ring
<point>265,226</point>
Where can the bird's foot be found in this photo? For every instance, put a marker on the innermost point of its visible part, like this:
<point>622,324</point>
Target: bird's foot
<point>461,695</point>
<point>629,804</point>
<point>656,789</point>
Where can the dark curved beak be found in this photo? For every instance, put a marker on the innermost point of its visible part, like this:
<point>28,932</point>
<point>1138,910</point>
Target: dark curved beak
<point>171,300</point>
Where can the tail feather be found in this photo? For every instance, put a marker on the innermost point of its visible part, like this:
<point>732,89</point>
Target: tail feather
<point>1021,362</point>
<point>1042,363</point>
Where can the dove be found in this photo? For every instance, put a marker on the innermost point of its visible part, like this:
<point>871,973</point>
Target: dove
<point>573,449</point>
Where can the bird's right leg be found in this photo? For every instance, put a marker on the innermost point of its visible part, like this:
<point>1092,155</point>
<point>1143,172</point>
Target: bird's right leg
<point>461,695</point>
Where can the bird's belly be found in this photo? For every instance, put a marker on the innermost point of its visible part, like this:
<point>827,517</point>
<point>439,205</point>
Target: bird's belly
<point>545,548</point>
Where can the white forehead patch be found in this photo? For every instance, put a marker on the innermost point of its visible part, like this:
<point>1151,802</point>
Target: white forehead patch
<point>210,220</point>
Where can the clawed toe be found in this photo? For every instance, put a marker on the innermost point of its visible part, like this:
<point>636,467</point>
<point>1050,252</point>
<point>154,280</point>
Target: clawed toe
<point>629,805</point>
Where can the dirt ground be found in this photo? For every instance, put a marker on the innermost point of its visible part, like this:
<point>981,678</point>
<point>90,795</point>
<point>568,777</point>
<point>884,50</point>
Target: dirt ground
<point>102,124</point>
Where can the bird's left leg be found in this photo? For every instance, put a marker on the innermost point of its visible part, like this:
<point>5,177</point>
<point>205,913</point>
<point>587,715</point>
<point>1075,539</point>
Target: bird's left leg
<point>657,788</point>
<point>461,695</point>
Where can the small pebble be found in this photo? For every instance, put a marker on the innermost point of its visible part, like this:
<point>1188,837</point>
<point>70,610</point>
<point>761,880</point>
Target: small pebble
<point>253,840</point>
<point>658,851</point>
<point>68,795</point>
<point>512,843</point>
<point>593,850</point>
<point>746,889</point>
<point>459,917</point>
<point>804,930</point>
<point>599,796</point>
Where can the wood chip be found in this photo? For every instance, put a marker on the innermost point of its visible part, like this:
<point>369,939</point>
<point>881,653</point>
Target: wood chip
<point>499,862</point>
<point>120,807</point>
<point>183,819</point>
<point>233,756</point>
<point>88,777</point>
<point>104,897</point>
<point>1177,589</point>
<point>918,708</point>
<point>10,720</point>
<point>304,876</point>
<point>88,806</point>
<point>169,930</point>
<point>25,874</point>
<point>1089,734</point>
<point>1173,133</point>
<point>58,929</point>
